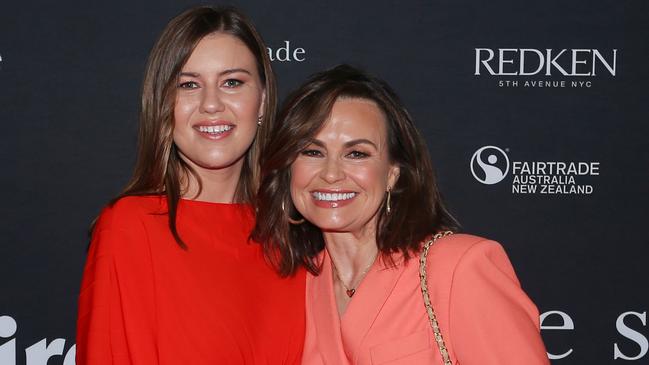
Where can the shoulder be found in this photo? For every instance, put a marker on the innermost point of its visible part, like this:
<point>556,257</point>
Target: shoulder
<point>122,226</point>
<point>459,254</point>
<point>129,212</point>
<point>457,246</point>
<point>481,292</point>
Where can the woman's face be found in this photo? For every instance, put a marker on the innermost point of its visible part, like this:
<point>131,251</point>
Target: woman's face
<point>339,181</point>
<point>218,101</point>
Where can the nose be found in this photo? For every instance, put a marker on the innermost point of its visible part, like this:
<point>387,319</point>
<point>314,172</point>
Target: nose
<point>211,101</point>
<point>333,170</point>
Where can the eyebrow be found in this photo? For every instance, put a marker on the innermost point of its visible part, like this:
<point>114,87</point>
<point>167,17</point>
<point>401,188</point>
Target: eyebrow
<point>347,144</point>
<point>222,73</point>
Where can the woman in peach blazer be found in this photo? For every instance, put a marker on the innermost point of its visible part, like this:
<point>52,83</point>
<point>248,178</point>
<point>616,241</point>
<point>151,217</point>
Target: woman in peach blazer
<point>353,180</point>
<point>485,317</point>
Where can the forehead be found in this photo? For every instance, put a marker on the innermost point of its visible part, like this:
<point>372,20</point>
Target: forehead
<point>218,51</point>
<point>354,118</point>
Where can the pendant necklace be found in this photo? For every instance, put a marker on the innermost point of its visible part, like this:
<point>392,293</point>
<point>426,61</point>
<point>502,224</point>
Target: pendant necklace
<point>351,291</point>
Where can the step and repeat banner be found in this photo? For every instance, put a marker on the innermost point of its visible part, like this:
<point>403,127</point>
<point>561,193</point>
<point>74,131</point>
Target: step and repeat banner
<point>536,115</point>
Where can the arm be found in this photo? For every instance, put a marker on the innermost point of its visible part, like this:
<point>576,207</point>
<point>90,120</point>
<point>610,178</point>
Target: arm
<point>492,321</point>
<point>116,320</point>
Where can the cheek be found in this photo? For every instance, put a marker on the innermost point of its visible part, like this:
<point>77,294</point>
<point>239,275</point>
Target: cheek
<point>298,176</point>
<point>246,106</point>
<point>183,109</point>
<point>301,175</point>
<point>370,178</point>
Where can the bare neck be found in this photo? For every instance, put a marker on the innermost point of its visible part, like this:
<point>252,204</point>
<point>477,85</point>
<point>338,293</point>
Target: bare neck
<point>351,253</point>
<point>217,185</point>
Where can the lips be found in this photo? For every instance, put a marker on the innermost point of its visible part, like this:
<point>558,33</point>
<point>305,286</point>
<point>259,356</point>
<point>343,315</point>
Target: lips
<point>214,130</point>
<point>332,199</point>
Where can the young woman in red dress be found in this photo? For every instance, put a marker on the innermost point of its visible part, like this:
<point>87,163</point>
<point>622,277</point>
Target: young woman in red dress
<point>171,277</point>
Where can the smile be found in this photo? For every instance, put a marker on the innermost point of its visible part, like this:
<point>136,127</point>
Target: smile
<point>214,129</point>
<point>332,197</point>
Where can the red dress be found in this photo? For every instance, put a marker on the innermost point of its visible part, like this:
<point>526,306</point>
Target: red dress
<point>144,300</point>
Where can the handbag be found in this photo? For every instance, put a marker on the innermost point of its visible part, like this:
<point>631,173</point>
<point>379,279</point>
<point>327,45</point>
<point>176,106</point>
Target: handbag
<point>429,307</point>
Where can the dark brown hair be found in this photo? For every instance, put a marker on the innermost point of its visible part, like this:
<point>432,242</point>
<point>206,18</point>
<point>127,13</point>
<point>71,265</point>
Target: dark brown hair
<point>159,168</point>
<point>417,209</point>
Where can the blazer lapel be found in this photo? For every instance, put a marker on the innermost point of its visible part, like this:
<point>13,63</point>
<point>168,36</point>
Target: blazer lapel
<point>366,304</point>
<point>325,315</point>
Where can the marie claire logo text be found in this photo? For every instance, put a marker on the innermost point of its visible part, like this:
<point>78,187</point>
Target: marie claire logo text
<point>490,165</point>
<point>629,326</point>
<point>545,68</point>
<point>37,354</point>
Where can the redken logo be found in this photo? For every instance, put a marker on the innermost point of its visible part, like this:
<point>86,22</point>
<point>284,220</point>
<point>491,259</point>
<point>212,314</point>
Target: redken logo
<point>549,62</point>
<point>536,68</point>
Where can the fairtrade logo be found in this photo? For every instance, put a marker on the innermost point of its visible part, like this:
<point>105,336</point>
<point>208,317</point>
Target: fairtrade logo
<point>489,165</point>
<point>286,53</point>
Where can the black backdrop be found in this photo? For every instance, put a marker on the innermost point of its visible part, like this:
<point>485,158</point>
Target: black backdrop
<point>70,76</point>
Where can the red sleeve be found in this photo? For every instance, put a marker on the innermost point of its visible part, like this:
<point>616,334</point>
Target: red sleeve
<point>116,321</point>
<point>492,321</point>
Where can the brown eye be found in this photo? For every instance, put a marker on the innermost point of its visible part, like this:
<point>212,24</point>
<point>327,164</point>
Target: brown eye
<point>232,83</point>
<point>311,153</point>
<point>357,154</point>
<point>188,85</point>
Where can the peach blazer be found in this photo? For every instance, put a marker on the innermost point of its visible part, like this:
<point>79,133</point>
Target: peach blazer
<point>484,315</point>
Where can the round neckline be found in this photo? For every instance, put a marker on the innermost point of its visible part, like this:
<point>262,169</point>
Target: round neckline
<point>209,203</point>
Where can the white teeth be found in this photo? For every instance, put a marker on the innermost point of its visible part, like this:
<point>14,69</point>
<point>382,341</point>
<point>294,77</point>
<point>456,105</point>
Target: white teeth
<point>214,128</point>
<point>332,196</point>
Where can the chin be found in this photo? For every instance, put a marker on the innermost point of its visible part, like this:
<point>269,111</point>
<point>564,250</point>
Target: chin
<point>219,162</point>
<point>330,225</point>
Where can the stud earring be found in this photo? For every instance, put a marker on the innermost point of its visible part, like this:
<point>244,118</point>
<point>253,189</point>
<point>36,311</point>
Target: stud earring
<point>259,118</point>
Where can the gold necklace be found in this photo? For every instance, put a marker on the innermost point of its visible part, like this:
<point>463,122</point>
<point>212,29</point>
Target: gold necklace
<point>351,291</point>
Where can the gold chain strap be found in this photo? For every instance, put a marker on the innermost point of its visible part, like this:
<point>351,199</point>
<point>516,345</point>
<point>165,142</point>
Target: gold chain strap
<point>429,307</point>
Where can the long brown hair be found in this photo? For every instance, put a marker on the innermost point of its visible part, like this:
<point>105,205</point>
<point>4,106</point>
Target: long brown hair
<point>417,209</point>
<point>159,168</point>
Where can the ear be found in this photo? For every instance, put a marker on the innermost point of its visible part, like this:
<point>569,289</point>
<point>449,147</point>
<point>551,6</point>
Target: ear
<point>262,105</point>
<point>393,176</point>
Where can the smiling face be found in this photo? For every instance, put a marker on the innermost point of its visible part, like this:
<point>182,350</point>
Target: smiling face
<point>339,181</point>
<point>218,101</point>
